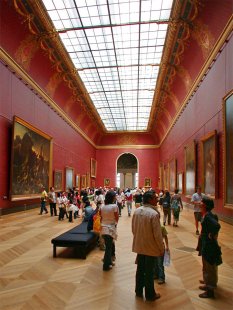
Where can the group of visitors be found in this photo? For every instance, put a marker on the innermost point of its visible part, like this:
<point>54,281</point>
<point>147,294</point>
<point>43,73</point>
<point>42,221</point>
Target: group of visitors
<point>101,208</point>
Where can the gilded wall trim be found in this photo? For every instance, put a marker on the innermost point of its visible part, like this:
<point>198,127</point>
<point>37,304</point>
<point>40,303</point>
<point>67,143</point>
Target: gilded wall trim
<point>218,45</point>
<point>136,147</point>
<point>28,80</point>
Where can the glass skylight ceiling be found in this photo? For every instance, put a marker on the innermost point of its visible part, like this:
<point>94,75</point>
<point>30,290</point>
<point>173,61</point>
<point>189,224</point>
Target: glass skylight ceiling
<point>116,47</point>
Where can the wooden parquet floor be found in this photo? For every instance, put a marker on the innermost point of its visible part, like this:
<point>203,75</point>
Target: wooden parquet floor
<point>31,279</point>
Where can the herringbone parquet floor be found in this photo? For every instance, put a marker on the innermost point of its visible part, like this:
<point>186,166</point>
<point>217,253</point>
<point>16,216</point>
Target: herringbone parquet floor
<point>31,279</point>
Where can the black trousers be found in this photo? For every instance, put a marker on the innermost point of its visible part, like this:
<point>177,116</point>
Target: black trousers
<point>53,208</point>
<point>109,251</point>
<point>145,276</point>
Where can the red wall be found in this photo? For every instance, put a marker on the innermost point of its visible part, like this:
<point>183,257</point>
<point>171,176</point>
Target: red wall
<point>202,115</point>
<point>69,148</point>
<point>147,165</point>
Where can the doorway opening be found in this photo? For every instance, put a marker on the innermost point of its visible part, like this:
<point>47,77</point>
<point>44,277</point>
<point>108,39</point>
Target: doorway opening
<point>127,171</point>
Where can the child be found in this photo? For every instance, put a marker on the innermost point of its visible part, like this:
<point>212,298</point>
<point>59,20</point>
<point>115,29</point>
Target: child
<point>72,210</point>
<point>159,267</point>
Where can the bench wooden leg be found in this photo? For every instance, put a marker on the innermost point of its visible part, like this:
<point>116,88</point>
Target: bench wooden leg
<point>54,251</point>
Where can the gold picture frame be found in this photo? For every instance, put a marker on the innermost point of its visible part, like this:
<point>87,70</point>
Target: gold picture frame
<point>88,179</point>
<point>69,178</point>
<point>147,182</point>
<point>228,150</point>
<point>93,167</point>
<point>190,168</point>
<point>172,175</point>
<point>77,181</point>
<point>31,161</point>
<point>83,181</point>
<point>106,182</point>
<point>57,180</point>
<point>209,164</point>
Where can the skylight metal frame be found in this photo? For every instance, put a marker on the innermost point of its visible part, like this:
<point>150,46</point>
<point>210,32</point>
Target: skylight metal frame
<point>116,48</point>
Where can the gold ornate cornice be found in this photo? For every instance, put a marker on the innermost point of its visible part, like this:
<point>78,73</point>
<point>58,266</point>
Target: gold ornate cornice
<point>22,74</point>
<point>29,81</point>
<point>175,44</point>
<point>136,147</point>
<point>48,39</point>
<point>205,68</point>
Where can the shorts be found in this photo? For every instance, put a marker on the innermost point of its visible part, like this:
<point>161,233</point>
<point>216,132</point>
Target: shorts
<point>198,216</point>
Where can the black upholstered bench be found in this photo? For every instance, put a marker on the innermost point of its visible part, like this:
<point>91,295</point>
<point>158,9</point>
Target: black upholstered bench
<point>78,238</point>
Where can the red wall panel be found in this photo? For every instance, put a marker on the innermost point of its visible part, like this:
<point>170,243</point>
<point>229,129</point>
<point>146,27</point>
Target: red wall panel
<point>147,165</point>
<point>202,115</point>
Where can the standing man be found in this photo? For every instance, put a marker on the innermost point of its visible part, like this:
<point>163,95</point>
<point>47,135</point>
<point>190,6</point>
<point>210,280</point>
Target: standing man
<point>197,200</point>
<point>148,244</point>
<point>129,201</point>
<point>43,199</point>
<point>52,201</point>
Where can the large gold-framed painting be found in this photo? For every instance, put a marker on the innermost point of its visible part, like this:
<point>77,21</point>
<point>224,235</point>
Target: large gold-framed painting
<point>31,162</point>
<point>209,166</point>
<point>190,168</point>
<point>69,178</point>
<point>172,175</point>
<point>228,149</point>
<point>93,167</point>
<point>57,180</point>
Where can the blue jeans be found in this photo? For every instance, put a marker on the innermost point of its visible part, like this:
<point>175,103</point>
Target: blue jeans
<point>145,276</point>
<point>129,206</point>
<point>43,207</point>
<point>159,268</point>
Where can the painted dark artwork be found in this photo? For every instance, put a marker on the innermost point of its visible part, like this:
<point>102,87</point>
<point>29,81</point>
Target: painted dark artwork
<point>31,163</point>
<point>209,164</point>
<point>228,117</point>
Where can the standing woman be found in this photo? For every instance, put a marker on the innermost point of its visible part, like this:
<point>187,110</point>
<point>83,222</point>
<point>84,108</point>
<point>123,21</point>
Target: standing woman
<point>109,219</point>
<point>176,205</point>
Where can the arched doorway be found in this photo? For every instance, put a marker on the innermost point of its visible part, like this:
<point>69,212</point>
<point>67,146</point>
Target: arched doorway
<point>127,171</point>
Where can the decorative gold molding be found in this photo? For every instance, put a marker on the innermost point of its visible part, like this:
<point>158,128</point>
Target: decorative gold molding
<point>112,147</point>
<point>57,53</point>
<point>220,42</point>
<point>28,80</point>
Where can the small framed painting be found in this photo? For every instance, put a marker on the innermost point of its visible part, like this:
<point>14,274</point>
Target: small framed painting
<point>93,168</point>
<point>69,178</point>
<point>147,182</point>
<point>106,182</point>
<point>83,181</point>
<point>190,168</point>
<point>57,180</point>
<point>180,182</point>
<point>77,181</point>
